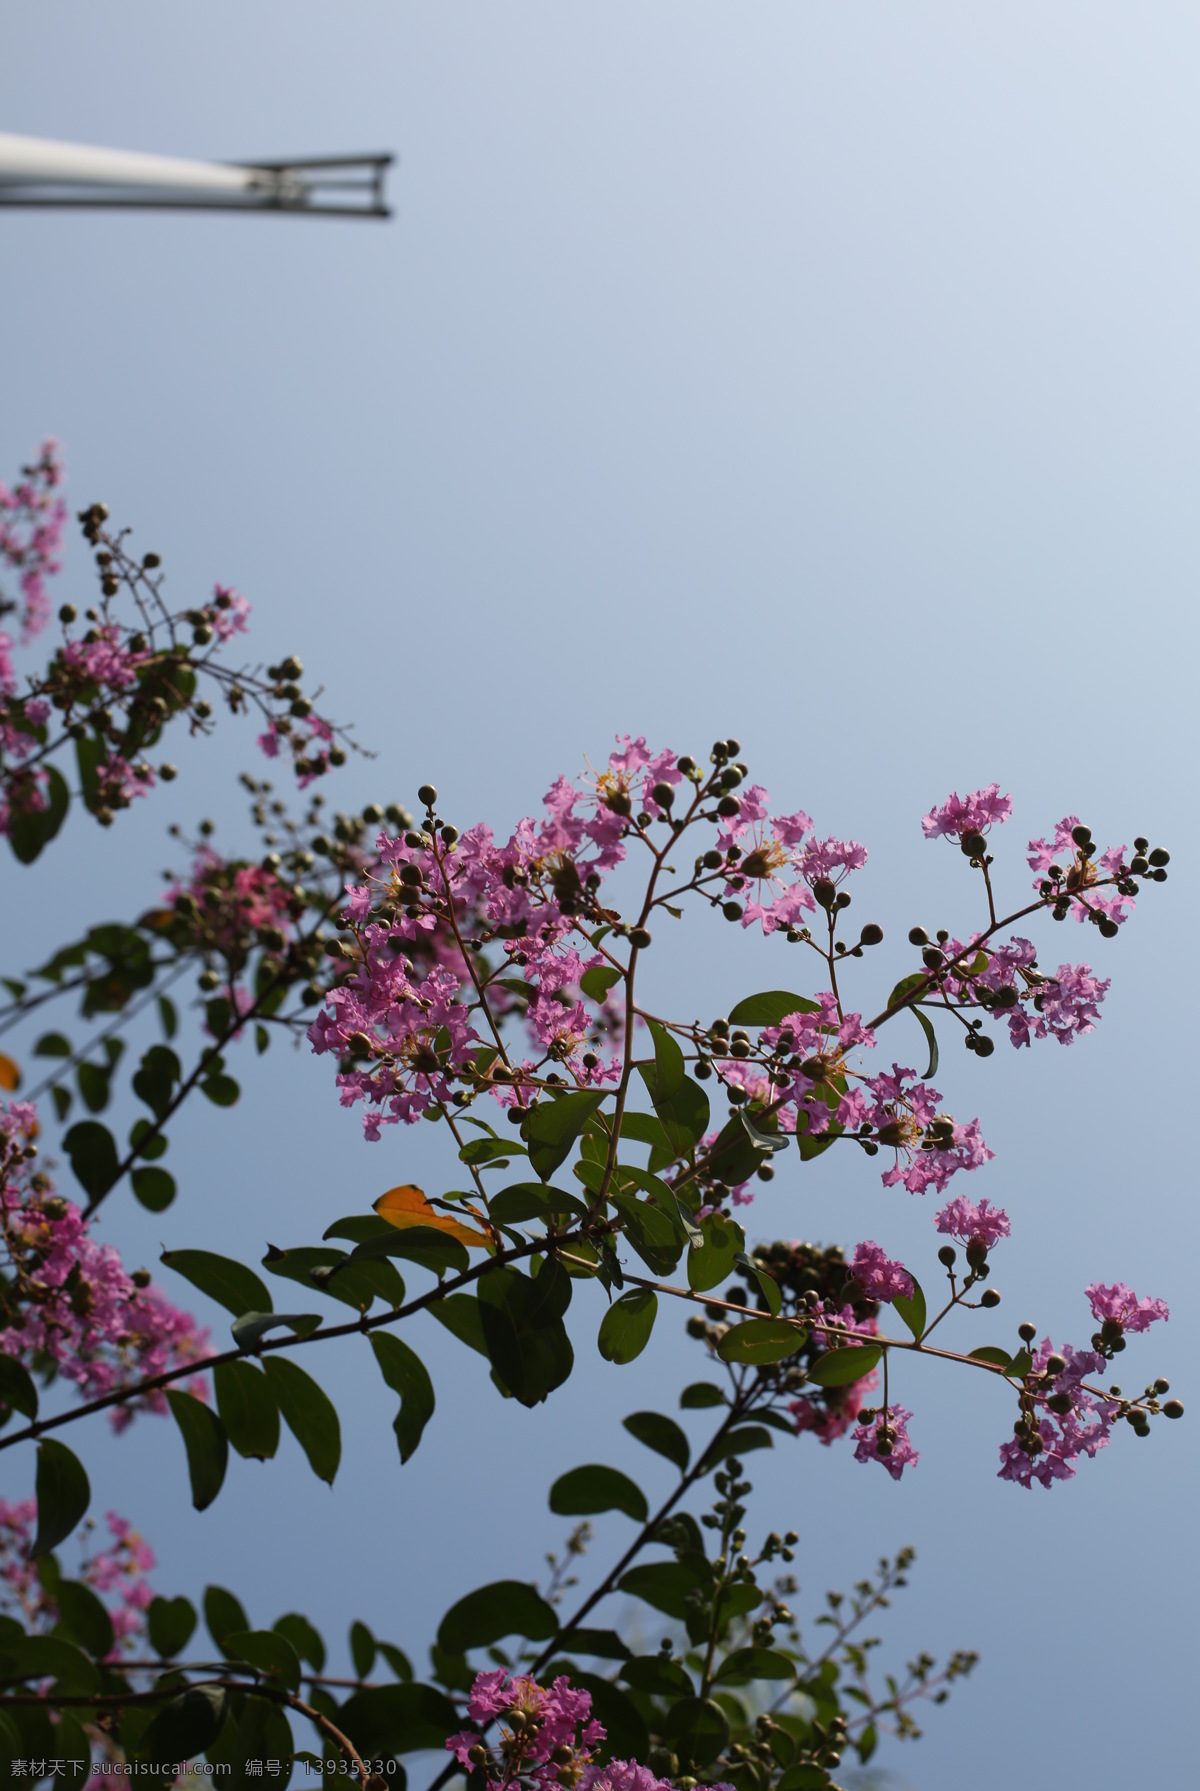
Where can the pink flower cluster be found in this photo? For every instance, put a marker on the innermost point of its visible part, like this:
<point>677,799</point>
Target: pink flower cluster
<point>31,531</point>
<point>1120,1305</point>
<point>554,1720</point>
<point>981,1224</point>
<point>116,1573</point>
<point>885,1440</point>
<point>70,1307</point>
<point>1062,1437</point>
<point>959,815</point>
<point>879,1277</point>
<point>547,1747</point>
<point>1081,870</point>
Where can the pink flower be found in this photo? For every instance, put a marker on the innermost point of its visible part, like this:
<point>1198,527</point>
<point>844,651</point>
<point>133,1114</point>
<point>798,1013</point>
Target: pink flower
<point>960,815</point>
<point>878,1276</point>
<point>973,1224</point>
<point>1061,1437</point>
<point>886,1441</point>
<point>1120,1304</point>
<point>231,612</point>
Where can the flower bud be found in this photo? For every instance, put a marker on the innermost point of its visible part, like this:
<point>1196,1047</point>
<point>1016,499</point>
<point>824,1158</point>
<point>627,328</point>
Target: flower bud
<point>1173,1409</point>
<point>1026,1332</point>
<point>947,1255</point>
<point>427,795</point>
<point>989,1297</point>
<point>871,934</point>
<point>141,1277</point>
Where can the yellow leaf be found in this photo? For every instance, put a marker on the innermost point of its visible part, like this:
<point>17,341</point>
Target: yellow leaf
<point>10,1075</point>
<point>408,1206</point>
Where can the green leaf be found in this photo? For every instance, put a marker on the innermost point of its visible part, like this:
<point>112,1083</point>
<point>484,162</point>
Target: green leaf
<point>521,1316</point>
<point>504,1608</point>
<point>766,1143</point>
<point>386,1720</point>
<point>83,1618</point>
<point>587,1490</point>
<point>716,1256</point>
<point>842,1366</point>
<point>867,1742</point>
<point>684,1115</point>
<point>666,1584</point>
<point>459,1313</point>
<point>927,1028</point>
<point>490,1150</point>
<point>662,1678</point>
<point>532,1200</point>
<point>669,1069</point>
<point>31,829</point>
<point>63,1495</point>
<point>46,1657</point>
<point>602,1644</point>
<point>919,980</point>
<point>770,1009</point>
<point>252,1327</point>
<point>93,1080</point>
<point>168,1017</point>
<point>223,1614</point>
<point>230,1283</point>
<point>185,1727</point>
<point>912,1311</point>
<point>206,1443</point>
<point>269,1651</point>
<point>17,1390</point>
<point>52,1044</point>
<point>997,1358</point>
<point>222,1091</point>
<point>651,1232</point>
<point>309,1415</point>
<point>405,1374</point>
<point>745,1665</point>
<point>93,1153</point>
<point>417,1243</point>
<point>761,1340</point>
<point>700,1395</point>
<point>153,1188</point>
<point>698,1728</point>
<point>737,1442</point>
<point>626,1326</point>
<point>662,1435</point>
<point>597,981</point>
<point>362,1649</point>
<point>247,1408</point>
<point>171,1623</point>
<point>356,1285</point>
<point>154,1080</point>
<point>805,1778</point>
<point>554,1126</point>
<point>303,1637</point>
<point>765,1282</point>
<point>1021,1363</point>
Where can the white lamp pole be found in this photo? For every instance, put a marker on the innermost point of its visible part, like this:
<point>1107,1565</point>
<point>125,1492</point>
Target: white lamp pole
<point>36,171</point>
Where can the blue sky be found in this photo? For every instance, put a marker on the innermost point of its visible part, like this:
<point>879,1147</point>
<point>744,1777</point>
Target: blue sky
<point>823,375</point>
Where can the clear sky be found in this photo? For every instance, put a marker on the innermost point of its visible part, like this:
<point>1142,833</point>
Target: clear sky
<point>821,374</point>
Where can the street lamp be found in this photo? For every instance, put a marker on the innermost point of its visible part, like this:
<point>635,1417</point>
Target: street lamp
<point>35,171</point>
